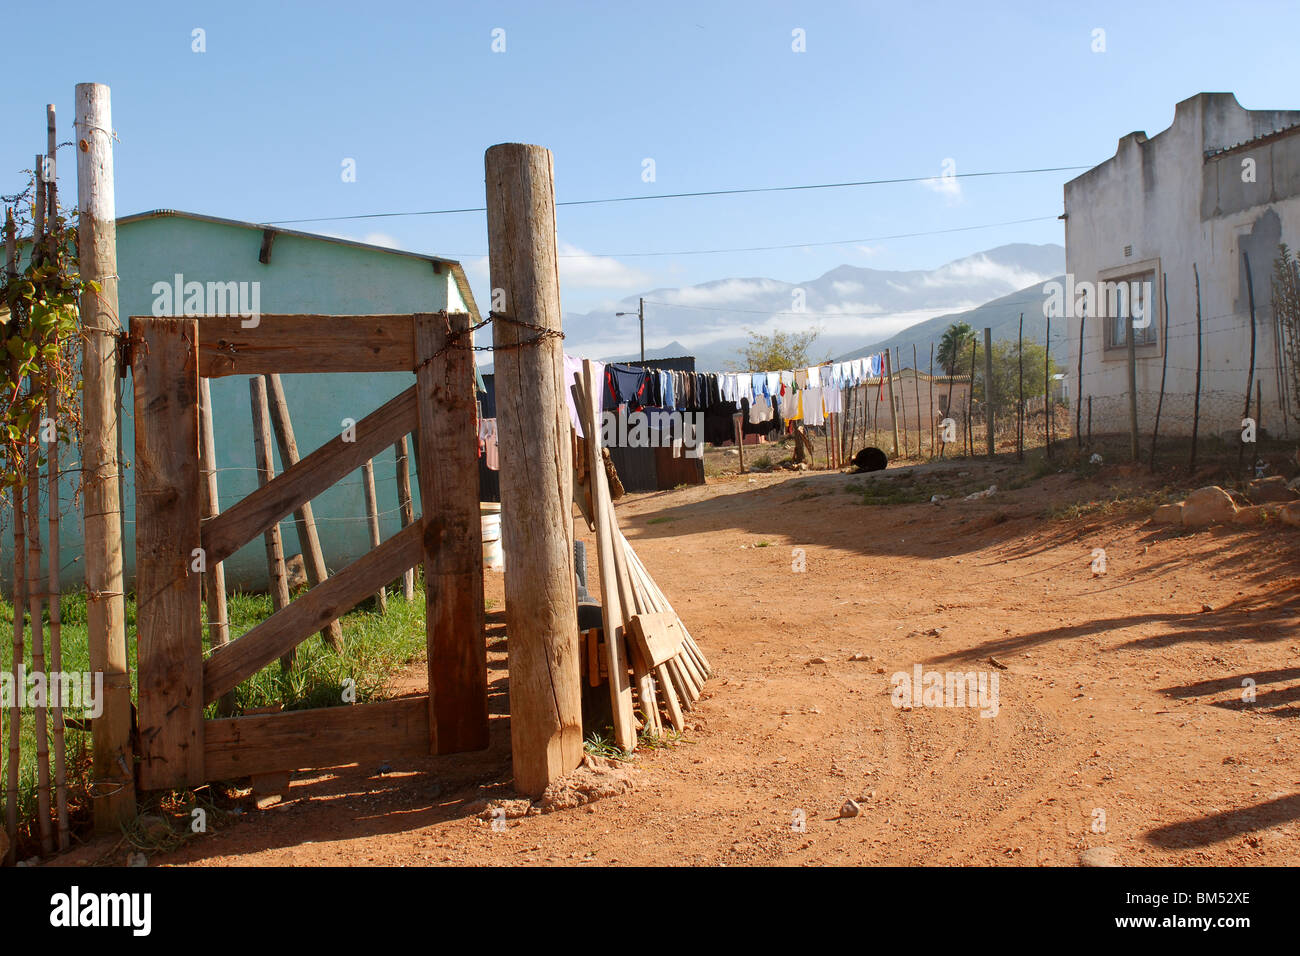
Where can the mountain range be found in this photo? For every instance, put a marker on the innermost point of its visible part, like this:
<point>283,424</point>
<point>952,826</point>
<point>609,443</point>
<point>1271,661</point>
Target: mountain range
<point>858,310</point>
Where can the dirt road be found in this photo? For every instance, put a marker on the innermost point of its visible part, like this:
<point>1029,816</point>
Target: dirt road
<point>1120,719</point>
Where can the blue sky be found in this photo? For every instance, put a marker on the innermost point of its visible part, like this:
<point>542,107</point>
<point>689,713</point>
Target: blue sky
<point>257,127</point>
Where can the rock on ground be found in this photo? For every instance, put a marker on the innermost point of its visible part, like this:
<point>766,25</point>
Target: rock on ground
<point>1265,490</point>
<point>1098,856</point>
<point>1168,514</point>
<point>1206,506</point>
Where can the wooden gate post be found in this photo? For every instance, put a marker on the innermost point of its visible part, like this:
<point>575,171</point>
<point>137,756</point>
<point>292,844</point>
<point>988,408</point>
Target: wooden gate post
<point>114,791</point>
<point>536,467</point>
<point>453,537</point>
<point>168,512</point>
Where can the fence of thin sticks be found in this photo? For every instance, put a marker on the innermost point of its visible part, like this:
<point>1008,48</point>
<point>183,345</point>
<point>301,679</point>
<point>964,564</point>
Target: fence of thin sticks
<point>40,343</point>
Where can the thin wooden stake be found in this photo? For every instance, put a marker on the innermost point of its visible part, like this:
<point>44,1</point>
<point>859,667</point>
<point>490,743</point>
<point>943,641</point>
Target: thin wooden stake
<point>214,579</point>
<point>277,574</point>
<point>304,522</point>
<point>372,522</point>
<point>1164,369</point>
<point>33,489</point>
<point>1196,404</point>
<point>402,451</point>
<point>52,496</point>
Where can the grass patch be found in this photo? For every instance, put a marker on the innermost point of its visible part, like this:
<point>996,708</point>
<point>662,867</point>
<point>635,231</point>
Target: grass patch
<point>375,648</point>
<point>1121,502</point>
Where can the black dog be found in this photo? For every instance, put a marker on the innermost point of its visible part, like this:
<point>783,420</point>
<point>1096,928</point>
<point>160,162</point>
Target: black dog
<point>870,459</point>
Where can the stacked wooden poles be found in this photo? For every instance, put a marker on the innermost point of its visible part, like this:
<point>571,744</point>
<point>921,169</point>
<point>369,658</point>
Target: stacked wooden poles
<point>588,400</point>
<point>628,591</point>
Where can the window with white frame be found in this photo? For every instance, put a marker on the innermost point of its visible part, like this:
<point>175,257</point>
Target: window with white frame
<point>1125,300</point>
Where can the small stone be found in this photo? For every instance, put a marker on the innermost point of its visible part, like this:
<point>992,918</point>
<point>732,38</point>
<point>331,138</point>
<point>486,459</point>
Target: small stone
<point>1207,608</point>
<point>851,808</point>
<point>1168,514</point>
<point>818,660</point>
<point>137,859</point>
<point>1098,856</point>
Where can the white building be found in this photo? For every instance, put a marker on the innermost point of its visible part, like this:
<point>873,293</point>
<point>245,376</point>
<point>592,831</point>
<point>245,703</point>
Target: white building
<point>1219,182</point>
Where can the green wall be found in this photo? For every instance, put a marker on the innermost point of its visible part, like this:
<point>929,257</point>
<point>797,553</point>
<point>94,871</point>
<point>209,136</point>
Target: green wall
<point>303,276</point>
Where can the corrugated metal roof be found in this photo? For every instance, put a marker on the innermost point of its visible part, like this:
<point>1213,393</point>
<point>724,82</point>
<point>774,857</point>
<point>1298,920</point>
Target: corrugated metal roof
<point>458,273</point>
<point>1259,140</point>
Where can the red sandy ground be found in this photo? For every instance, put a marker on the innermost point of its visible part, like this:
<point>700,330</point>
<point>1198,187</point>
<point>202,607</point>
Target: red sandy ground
<point>1121,693</point>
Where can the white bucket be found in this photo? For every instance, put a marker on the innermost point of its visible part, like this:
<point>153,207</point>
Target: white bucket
<point>491,518</point>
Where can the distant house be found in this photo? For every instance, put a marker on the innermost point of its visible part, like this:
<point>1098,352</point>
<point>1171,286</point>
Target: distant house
<point>294,272</point>
<point>917,397</point>
<point>1220,182</point>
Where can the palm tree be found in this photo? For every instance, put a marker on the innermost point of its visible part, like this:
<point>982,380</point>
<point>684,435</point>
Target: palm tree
<point>953,344</point>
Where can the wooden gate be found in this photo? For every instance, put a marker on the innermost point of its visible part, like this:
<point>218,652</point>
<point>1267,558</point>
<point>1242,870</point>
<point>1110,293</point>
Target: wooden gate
<point>177,746</point>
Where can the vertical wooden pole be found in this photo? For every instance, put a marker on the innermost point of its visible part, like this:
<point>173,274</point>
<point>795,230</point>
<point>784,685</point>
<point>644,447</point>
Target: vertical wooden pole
<point>214,578</point>
<point>372,522</point>
<point>15,711</point>
<point>536,475</point>
<point>893,413</point>
<point>931,400</point>
<point>1196,404</point>
<point>52,496</point>
<point>447,450</point>
<point>277,575</point>
<point>114,793</point>
<point>1130,344</point>
<point>1020,394</point>
<point>738,425</point>
<point>988,390</point>
<point>969,439</point>
<point>56,627</point>
<point>916,390</point>
<point>36,607</point>
<point>1049,408</point>
<point>1078,398</point>
<point>169,599</point>
<point>1250,374</point>
<point>402,451</point>
<point>304,522</point>
<point>1164,367</point>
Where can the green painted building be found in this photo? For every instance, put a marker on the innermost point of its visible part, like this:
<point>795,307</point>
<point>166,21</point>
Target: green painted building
<point>294,272</point>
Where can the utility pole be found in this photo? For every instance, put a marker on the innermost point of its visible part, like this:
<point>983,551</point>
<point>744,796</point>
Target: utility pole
<point>640,315</point>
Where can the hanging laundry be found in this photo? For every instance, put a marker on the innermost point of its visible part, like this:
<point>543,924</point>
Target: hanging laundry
<point>487,437</point>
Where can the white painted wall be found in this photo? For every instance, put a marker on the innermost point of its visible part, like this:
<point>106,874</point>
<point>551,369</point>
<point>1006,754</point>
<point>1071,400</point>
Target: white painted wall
<point>1174,207</point>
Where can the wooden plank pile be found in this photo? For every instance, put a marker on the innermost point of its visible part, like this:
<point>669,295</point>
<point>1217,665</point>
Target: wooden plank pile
<point>643,634</point>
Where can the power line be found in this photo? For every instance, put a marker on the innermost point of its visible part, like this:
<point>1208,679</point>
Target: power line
<point>700,193</point>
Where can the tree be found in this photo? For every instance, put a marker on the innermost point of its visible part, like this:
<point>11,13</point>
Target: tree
<point>1006,372</point>
<point>780,350</point>
<point>953,346</point>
